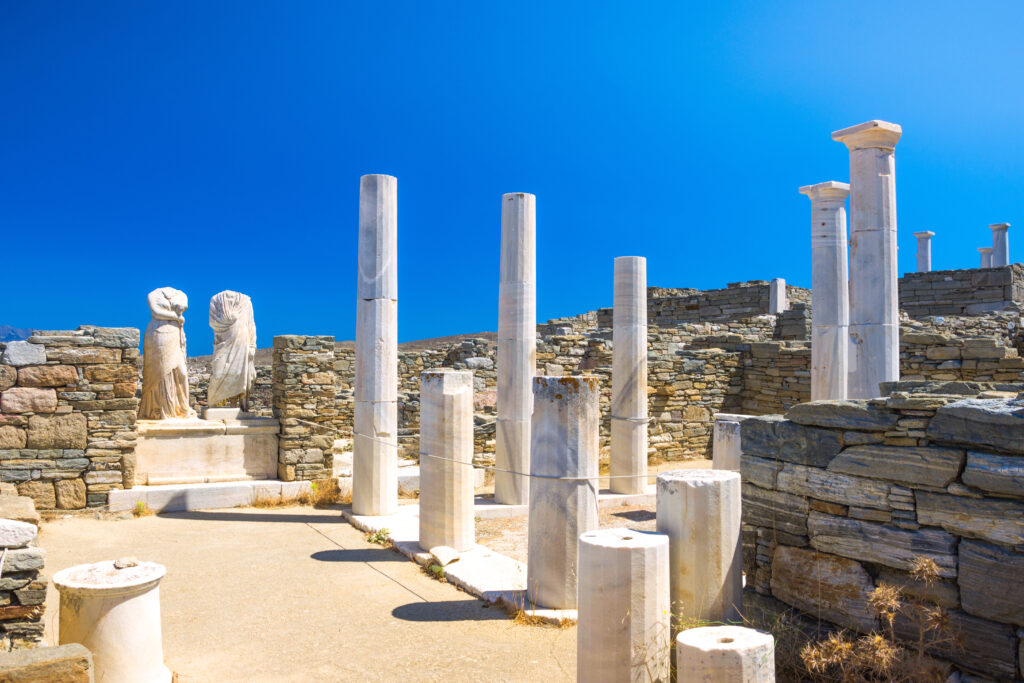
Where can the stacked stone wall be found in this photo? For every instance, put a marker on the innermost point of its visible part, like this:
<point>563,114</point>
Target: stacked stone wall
<point>260,398</point>
<point>23,588</point>
<point>972,291</point>
<point>67,415</point>
<point>842,496</point>
<point>303,398</point>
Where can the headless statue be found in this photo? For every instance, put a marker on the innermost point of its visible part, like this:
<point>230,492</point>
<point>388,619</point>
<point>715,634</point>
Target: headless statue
<point>234,349</point>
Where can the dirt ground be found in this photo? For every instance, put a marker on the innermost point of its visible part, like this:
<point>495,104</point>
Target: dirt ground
<point>296,594</point>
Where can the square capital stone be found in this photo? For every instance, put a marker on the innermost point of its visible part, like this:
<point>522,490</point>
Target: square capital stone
<point>871,134</point>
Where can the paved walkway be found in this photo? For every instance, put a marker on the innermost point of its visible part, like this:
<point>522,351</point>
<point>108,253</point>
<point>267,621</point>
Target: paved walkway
<point>296,594</point>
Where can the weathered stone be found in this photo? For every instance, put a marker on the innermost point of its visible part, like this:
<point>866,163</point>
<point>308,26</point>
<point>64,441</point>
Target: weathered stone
<point>115,372</point>
<point>836,488</point>
<point>20,353</point>
<point>991,579</point>
<point>103,477</point>
<point>70,494</point>
<point>66,663</point>
<point>20,508</point>
<point>82,355</point>
<point>995,473</point>
<point>24,559</point>
<point>978,644</point>
<point>855,415</point>
<point>47,376</point>
<point>8,377</point>
<point>999,521</point>
<point>997,423</point>
<point>774,510</point>
<point>28,400</point>
<point>11,438</point>
<point>832,588</point>
<point>41,492</point>
<point>927,466</point>
<point>870,542</point>
<point>759,471</point>
<point>60,431</point>
<point>14,534</point>
<point>939,592</point>
<point>776,439</point>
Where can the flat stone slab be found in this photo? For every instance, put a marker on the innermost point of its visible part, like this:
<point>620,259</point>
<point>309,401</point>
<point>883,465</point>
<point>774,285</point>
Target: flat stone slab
<point>15,534</point>
<point>70,663</point>
<point>186,497</point>
<point>19,508</point>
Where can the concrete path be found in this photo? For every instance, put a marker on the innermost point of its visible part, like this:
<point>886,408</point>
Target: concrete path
<point>296,594</point>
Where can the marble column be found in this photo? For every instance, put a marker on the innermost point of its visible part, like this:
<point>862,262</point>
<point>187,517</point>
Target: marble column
<point>777,302</point>
<point>375,450</point>
<point>725,653</point>
<point>446,459</point>
<point>563,443</point>
<point>517,346</point>
<point>725,450</point>
<point>628,457</point>
<point>1000,244</point>
<point>830,308</point>
<point>924,251</point>
<point>874,310</point>
<point>699,511</point>
<point>986,256</point>
<point>623,630</point>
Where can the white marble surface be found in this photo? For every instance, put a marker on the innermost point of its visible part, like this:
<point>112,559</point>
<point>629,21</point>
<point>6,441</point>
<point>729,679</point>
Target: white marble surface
<point>725,654</point>
<point>1000,244</point>
<point>628,454</point>
<point>986,256</point>
<point>924,250</point>
<point>164,371</point>
<point>777,296</point>
<point>233,370</point>
<point>726,445</point>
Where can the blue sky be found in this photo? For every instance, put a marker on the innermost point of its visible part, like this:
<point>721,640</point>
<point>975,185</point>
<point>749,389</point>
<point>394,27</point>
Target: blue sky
<point>218,145</point>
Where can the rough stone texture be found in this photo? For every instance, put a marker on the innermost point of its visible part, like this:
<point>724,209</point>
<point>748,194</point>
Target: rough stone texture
<point>824,485</point>
<point>303,396</point>
<point>70,494</point>
<point>59,431</point>
<point>19,353</point>
<point>994,423</point>
<point>28,400</point>
<point>908,466</point>
<point>858,415</point>
<point>11,438</point>
<point>15,534</point>
<point>8,377</point>
<point>775,438</point>
<point>998,521</point>
<point>18,508</point>
<point>991,577</point>
<point>41,493</point>
<point>23,588</point>
<point>47,376</point>
<point>995,473</point>
<point>960,292</point>
<point>726,654</point>
<point>835,588</point>
<point>65,663</point>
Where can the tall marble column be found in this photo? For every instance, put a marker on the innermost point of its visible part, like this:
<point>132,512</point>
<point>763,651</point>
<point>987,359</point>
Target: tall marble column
<point>1000,244</point>
<point>628,458</point>
<point>563,443</point>
<point>874,308</point>
<point>924,251</point>
<point>446,459</point>
<point>517,346</point>
<point>830,308</point>
<point>777,302</point>
<point>986,256</point>
<point>375,451</point>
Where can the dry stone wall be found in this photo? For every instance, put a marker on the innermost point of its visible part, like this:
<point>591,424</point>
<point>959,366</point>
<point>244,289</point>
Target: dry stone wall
<point>961,292</point>
<point>303,399</point>
<point>842,496</point>
<point>67,415</point>
<point>23,586</point>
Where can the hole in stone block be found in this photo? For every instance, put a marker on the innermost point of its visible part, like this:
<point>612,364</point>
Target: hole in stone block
<point>725,640</point>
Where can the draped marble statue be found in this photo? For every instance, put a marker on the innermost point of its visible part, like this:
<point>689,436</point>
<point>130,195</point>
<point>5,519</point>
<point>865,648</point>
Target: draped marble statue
<point>164,372</point>
<point>234,349</point>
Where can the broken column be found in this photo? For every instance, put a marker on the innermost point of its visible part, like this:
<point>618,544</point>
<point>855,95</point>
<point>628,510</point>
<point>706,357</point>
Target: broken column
<point>777,302</point>
<point>986,256</point>
<point>628,458</point>
<point>1000,244</point>
<point>924,250</point>
<point>830,308</point>
<point>446,459</point>
<point>725,449</point>
<point>517,347</point>
<point>725,653</point>
<point>623,631</point>
<point>375,450</point>
<point>563,493</point>
<point>874,314</point>
<point>699,511</point>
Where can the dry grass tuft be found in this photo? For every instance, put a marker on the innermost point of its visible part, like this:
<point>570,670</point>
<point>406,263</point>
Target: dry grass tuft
<point>522,614</point>
<point>380,537</point>
<point>142,510</point>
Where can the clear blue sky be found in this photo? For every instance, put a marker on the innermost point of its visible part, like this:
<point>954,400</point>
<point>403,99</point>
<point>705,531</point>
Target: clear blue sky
<point>218,145</point>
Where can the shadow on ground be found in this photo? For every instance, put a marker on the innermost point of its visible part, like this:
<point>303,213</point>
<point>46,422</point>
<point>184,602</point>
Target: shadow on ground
<point>636,515</point>
<point>224,516</point>
<point>448,610</point>
<point>359,555</point>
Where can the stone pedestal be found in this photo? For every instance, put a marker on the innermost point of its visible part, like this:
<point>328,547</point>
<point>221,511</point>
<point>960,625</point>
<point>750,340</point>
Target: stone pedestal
<point>725,654</point>
<point>517,346</point>
<point>1000,244</point>
<point>446,460</point>
<point>375,434</point>
<point>986,256</point>
<point>115,613</point>
<point>830,307</point>
<point>623,632</point>
<point>924,251</point>
<point>726,448</point>
<point>874,314</point>
<point>628,458</point>
<point>563,444</point>
<point>699,510</point>
<point>777,299</point>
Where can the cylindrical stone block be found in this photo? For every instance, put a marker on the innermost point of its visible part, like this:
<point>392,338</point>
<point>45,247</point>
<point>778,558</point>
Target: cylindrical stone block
<point>777,296</point>
<point>699,510</point>
<point>725,654</point>
<point>378,237</point>
<point>924,250</point>
<point>1000,244</point>
<point>830,307</point>
<point>628,457</point>
<point>623,628</point>
<point>563,491</point>
<point>376,371</point>
<point>986,256</point>
<point>725,450</point>
<point>874,314</point>
<point>446,459</point>
<point>115,613</point>
<point>517,347</point>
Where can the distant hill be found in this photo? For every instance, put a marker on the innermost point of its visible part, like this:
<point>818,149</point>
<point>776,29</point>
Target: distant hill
<point>8,333</point>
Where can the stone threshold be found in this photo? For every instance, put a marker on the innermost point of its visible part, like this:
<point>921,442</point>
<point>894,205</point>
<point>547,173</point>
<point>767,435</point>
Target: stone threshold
<point>187,497</point>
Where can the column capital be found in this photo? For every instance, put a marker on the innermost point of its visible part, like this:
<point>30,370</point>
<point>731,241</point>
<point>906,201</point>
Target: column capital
<point>831,189</point>
<point>924,233</point>
<point>872,134</point>
<point>999,226</point>
<point>985,250</point>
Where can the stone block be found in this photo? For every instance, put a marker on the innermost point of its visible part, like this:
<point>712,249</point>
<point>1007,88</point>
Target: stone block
<point>84,355</point>
<point>11,438</point>
<point>111,372</point>
<point>28,400</point>
<point>47,376</point>
<point>991,577</point>
<point>936,467</point>
<point>999,521</point>
<point>20,508</point>
<point>980,644</point>
<point>41,493</point>
<point>854,415</point>
<point>70,494</point>
<point>15,534</point>
<point>8,377</point>
<point>833,487</point>
<point>66,663</point>
<point>997,423</point>
<point>774,438</point>
<point>940,592</point>
<point>871,542</point>
<point>829,587</point>
<point>994,473</point>
<point>59,431</point>
<point>774,510</point>
<point>21,353</point>
<point>24,560</point>
<point>759,471</point>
